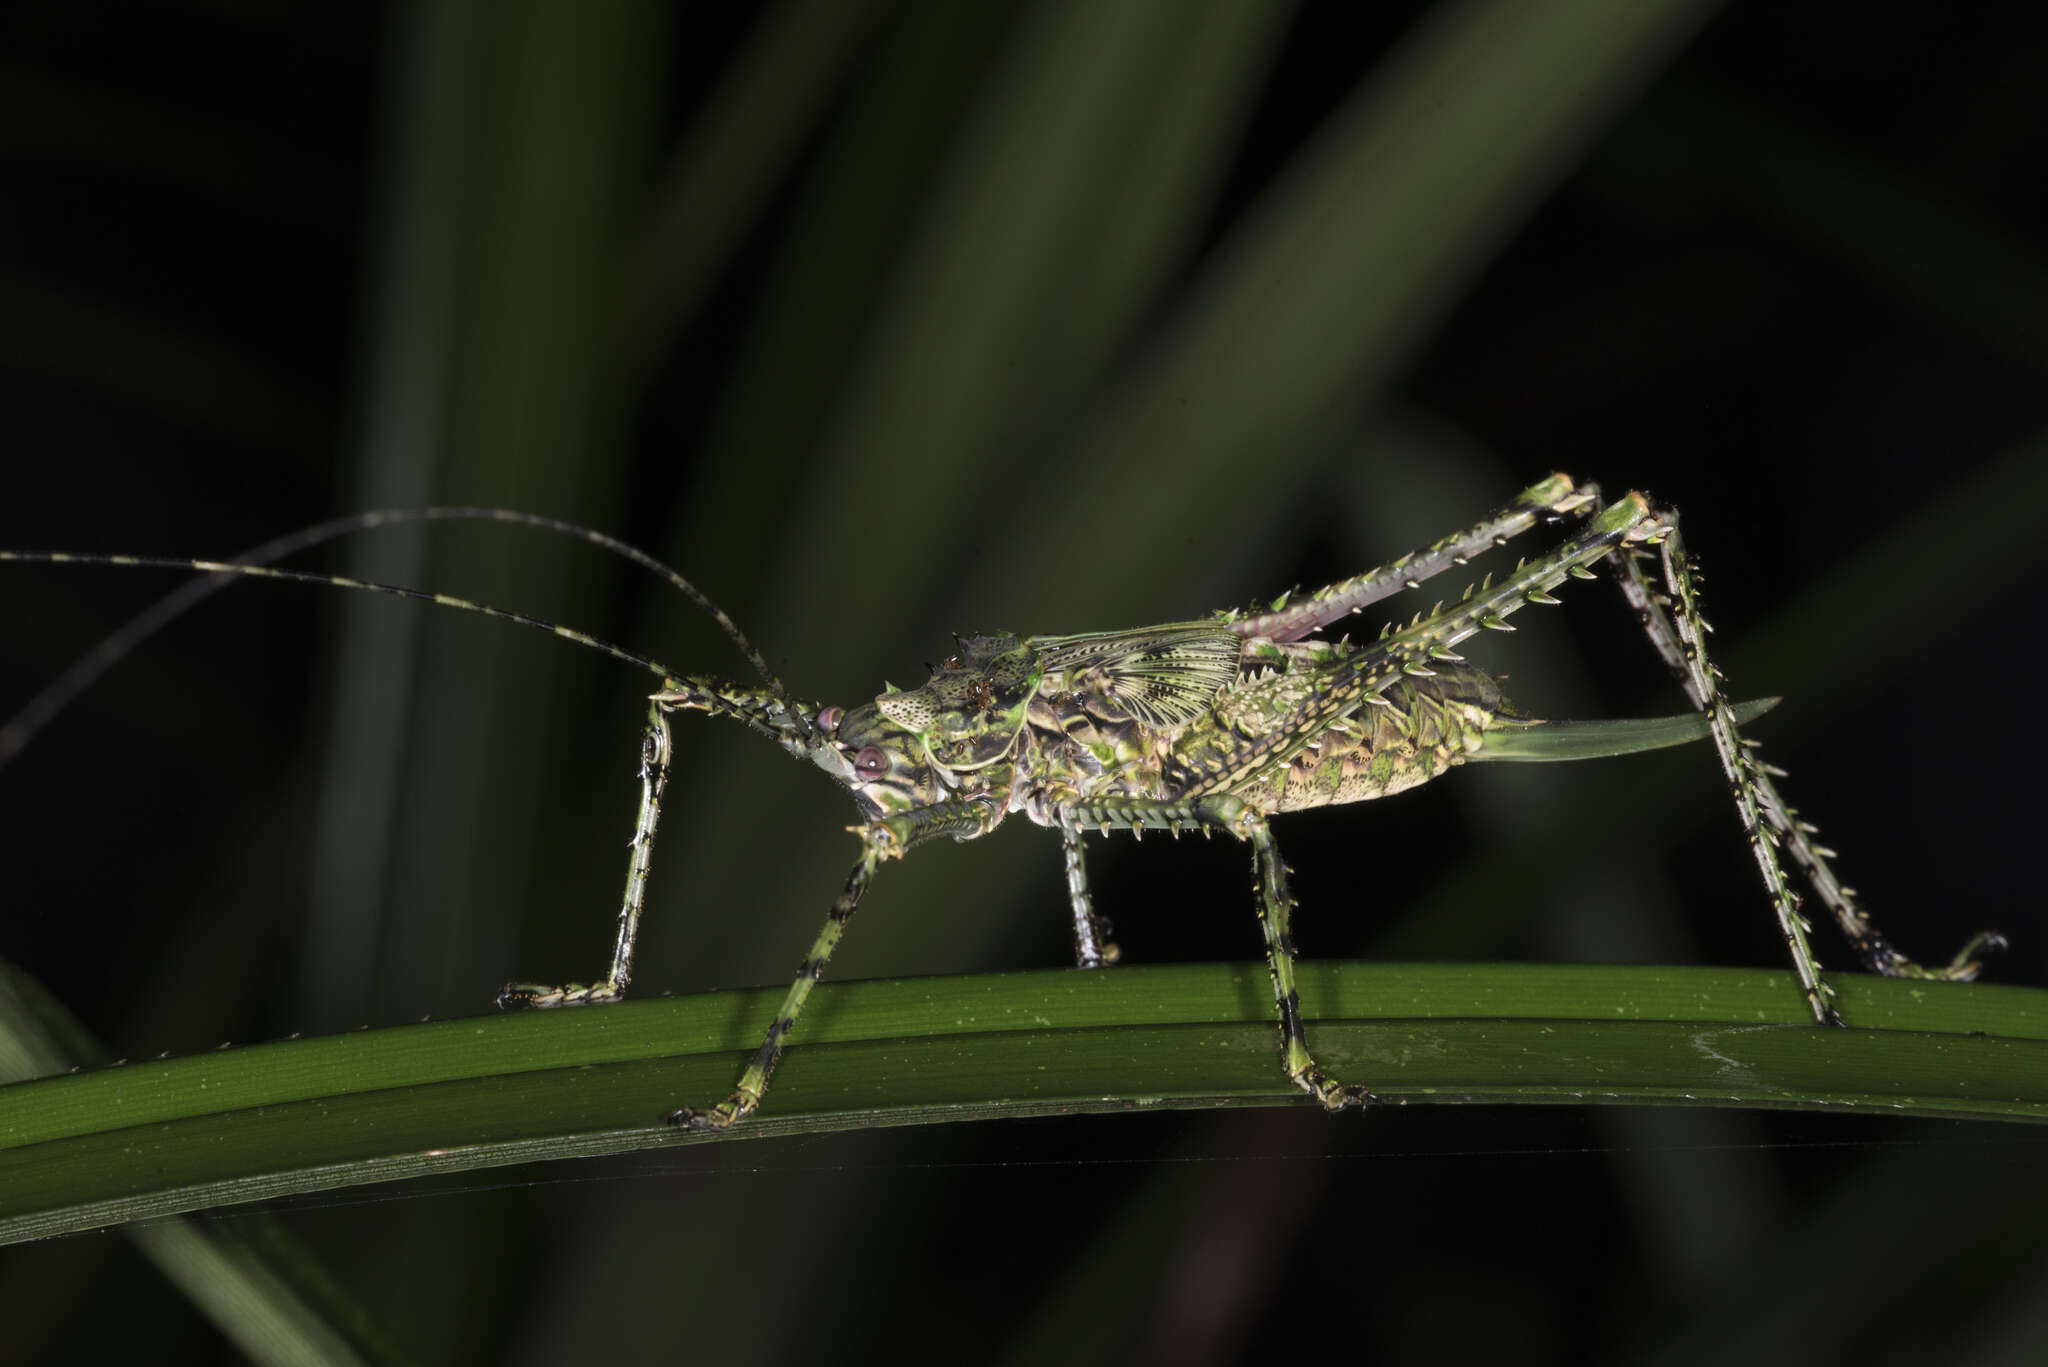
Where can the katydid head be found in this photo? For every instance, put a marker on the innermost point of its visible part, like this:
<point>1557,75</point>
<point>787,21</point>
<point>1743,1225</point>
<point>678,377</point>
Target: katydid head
<point>968,714</point>
<point>915,747</point>
<point>878,759</point>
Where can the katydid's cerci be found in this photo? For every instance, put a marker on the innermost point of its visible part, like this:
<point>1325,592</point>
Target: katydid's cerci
<point>1218,723</point>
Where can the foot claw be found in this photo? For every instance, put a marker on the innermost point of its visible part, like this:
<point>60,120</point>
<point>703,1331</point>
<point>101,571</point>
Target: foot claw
<point>1969,960</point>
<point>527,996</point>
<point>1337,1096</point>
<point>541,996</point>
<point>723,1116</point>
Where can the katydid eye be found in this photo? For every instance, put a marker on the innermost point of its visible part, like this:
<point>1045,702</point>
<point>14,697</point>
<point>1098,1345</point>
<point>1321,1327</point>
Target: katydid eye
<point>829,719</point>
<point>870,762</point>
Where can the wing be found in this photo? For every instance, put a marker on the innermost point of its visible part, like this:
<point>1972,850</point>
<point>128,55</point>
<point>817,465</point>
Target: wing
<point>1163,676</point>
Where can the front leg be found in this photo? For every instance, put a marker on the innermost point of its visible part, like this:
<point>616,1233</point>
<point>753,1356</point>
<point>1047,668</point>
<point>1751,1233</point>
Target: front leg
<point>654,762</point>
<point>889,838</point>
<point>753,1084</point>
<point>770,713</point>
<point>1226,812</point>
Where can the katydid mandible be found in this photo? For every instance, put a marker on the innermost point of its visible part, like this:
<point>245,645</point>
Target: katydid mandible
<point>1215,724</point>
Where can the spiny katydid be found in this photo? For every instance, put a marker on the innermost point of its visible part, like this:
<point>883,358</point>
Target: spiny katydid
<point>1214,724</point>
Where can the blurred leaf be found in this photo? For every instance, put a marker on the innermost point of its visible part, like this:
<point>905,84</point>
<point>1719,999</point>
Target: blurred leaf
<point>1348,258</point>
<point>716,181</point>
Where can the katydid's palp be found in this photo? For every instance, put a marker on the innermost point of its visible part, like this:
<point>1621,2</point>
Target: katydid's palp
<point>1218,723</point>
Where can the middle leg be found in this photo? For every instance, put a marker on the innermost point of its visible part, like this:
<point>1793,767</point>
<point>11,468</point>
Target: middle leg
<point>1227,812</point>
<point>1092,947</point>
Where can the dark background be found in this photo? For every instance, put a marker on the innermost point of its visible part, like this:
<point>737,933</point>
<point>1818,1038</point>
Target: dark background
<point>883,320</point>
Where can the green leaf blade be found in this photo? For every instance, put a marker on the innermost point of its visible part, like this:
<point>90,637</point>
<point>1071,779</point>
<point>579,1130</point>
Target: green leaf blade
<point>145,1140</point>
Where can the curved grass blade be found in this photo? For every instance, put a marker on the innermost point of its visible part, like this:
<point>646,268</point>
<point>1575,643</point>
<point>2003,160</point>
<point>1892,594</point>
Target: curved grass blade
<point>151,1139</point>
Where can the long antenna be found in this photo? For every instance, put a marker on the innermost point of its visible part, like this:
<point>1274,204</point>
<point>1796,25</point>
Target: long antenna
<point>87,669</point>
